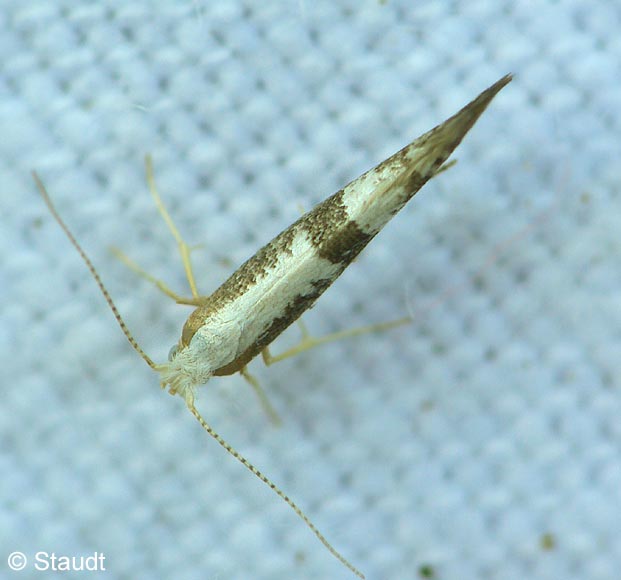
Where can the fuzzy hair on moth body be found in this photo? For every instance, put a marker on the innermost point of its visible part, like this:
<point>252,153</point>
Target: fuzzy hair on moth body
<point>273,288</point>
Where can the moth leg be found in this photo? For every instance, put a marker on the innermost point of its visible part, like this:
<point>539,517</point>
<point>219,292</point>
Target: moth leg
<point>162,286</point>
<point>444,167</point>
<point>308,341</point>
<point>183,247</point>
<point>265,403</point>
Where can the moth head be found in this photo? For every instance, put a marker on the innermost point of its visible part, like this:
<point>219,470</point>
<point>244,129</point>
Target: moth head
<point>184,371</point>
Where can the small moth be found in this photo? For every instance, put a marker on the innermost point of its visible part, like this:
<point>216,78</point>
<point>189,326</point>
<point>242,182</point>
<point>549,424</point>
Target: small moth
<point>271,290</point>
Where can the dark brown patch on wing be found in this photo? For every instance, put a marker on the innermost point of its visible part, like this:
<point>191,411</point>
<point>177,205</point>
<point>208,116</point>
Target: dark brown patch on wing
<point>321,223</point>
<point>343,246</point>
<point>336,237</point>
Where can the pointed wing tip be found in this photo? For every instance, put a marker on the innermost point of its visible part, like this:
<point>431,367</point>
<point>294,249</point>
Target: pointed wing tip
<point>471,112</point>
<point>453,130</point>
<point>488,94</point>
<point>503,81</point>
<point>441,141</point>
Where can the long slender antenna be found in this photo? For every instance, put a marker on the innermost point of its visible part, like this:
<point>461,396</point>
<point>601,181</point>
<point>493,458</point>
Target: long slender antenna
<point>274,488</point>
<point>89,264</point>
<point>189,402</point>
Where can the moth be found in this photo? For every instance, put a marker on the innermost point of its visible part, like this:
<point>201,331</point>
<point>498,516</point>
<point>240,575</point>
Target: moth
<point>272,289</point>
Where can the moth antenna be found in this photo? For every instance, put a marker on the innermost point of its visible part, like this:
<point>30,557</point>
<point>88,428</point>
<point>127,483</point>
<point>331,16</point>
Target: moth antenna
<point>274,488</point>
<point>93,271</point>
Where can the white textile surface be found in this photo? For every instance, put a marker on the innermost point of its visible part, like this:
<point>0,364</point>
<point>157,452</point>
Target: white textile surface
<point>482,441</point>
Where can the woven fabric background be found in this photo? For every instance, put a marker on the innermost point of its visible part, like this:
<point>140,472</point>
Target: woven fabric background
<point>483,441</point>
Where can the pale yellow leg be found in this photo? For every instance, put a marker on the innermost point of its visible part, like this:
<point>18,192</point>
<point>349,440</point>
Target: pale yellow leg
<point>265,403</point>
<point>184,249</point>
<point>308,341</point>
<point>444,167</point>
<point>162,286</point>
